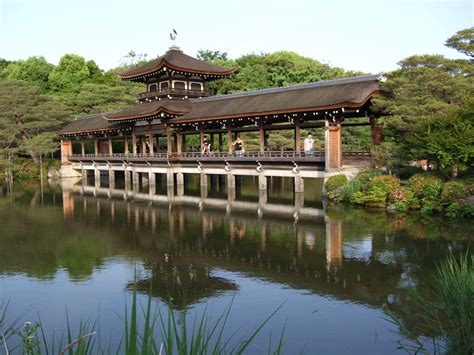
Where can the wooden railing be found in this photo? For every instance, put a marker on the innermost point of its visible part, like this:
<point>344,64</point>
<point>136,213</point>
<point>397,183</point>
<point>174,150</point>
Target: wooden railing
<point>178,92</point>
<point>273,157</point>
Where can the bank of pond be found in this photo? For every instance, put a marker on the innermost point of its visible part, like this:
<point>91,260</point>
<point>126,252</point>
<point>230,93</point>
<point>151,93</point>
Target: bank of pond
<point>425,193</point>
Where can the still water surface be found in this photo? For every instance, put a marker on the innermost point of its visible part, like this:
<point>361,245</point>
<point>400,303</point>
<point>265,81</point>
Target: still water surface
<point>77,249</point>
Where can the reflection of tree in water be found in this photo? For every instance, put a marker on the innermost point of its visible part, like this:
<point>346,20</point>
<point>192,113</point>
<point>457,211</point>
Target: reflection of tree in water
<point>182,284</point>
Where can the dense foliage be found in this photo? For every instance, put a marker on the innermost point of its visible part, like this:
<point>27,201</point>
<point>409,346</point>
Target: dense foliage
<point>424,192</point>
<point>430,98</point>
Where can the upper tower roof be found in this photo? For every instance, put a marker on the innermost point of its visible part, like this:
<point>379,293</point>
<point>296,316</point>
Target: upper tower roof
<point>175,60</point>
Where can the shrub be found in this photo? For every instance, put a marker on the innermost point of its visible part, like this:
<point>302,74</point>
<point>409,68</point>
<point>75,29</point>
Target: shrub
<point>365,176</point>
<point>404,199</point>
<point>376,196</point>
<point>453,191</point>
<point>427,188</point>
<point>387,182</point>
<point>457,210</point>
<point>335,182</point>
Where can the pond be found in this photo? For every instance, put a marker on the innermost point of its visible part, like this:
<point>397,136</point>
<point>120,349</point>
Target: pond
<point>75,249</point>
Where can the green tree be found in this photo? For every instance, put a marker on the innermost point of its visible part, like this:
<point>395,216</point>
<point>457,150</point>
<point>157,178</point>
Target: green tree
<point>447,138</point>
<point>26,116</point>
<point>211,56</point>
<point>71,72</point>
<point>424,96</point>
<point>463,41</point>
<point>34,70</point>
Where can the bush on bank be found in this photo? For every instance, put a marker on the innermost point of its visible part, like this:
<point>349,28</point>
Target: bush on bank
<point>424,192</point>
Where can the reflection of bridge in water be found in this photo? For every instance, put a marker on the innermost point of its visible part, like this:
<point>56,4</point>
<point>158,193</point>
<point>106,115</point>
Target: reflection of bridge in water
<point>312,251</point>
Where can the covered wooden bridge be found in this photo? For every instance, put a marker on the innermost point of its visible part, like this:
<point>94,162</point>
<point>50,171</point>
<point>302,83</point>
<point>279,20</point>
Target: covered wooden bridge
<point>154,136</point>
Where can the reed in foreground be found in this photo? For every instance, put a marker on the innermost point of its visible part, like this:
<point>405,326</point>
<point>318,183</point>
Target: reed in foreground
<point>450,316</point>
<point>156,333</point>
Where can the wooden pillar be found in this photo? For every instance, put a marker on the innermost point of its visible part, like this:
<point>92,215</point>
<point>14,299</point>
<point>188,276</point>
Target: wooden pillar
<point>143,140</point>
<point>262,138</point>
<point>66,151</point>
<point>152,149</point>
<point>333,146</point>
<point>297,136</point>
<point>168,141</point>
<point>111,151</point>
<point>201,139</point>
<point>134,144</point>
<point>83,148</point>
<point>229,137</point>
<point>125,144</point>
<point>179,143</point>
<point>221,142</point>
<point>96,146</point>
<point>211,140</point>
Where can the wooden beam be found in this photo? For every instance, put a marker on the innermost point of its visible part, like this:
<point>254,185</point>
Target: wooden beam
<point>111,150</point>
<point>134,144</point>
<point>297,136</point>
<point>262,139</point>
<point>169,146</point>
<point>83,149</point>
<point>96,146</point>
<point>125,145</point>
<point>201,138</point>
<point>229,138</point>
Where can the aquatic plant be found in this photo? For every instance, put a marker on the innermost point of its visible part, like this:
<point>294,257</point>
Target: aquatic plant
<point>159,334</point>
<point>450,316</point>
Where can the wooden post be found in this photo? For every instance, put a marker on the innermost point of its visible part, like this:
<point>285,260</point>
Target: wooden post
<point>333,147</point>
<point>179,143</point>
<point>168,142</point>
<point>211,140</point>
<point>83,148</point>
<point>201,138</point>
<point>134,144</point>
<point>111,151</point>
<point>262,138</point>
<point>297,136</point>
<point>183,144</point>
<point>229,137</point>
<point>125,144</point>
<point>143,140</point>
<point>152,150</point>
<point>66,151</point>
<point>96,146</point>
<point>221,142</point>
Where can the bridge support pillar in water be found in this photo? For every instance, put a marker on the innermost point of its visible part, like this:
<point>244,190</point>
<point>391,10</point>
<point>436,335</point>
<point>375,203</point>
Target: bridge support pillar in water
<point>230,181</point>
<point>203,179</point>
<point>170,178</point>
<point>180,184</point>
<point>299,184</point>
<point>151,182</point>
<point>96,177</point>
<point>128,180</point>
<point>262,182</point>
<point>111,178</point>
<point>135,180</point>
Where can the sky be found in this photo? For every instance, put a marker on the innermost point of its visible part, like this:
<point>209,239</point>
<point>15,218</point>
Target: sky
<point>363,35</point>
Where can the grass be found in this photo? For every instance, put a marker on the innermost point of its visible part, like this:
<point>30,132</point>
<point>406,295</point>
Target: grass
<point>450,316</point>
<point>156,334</point>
